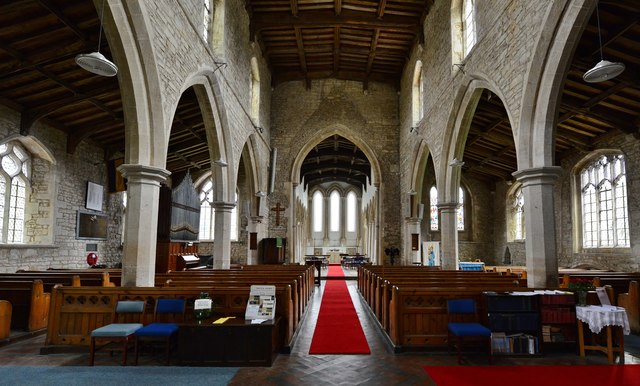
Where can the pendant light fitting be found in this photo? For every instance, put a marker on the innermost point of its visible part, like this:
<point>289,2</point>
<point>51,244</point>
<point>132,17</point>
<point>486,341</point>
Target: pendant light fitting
<point>604,69</point>
<point>95,62</point>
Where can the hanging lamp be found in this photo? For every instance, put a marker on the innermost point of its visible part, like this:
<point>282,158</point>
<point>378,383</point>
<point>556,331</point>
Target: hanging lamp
<point>95,62</point>
<point>604,69</point>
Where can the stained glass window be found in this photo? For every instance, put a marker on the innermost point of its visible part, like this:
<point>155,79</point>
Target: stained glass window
<point>518,204</point>
<point>352,203</point>
<point>433,208</point>
<point>334,198</point>
<point>460,210</point>
<point>318,208</point>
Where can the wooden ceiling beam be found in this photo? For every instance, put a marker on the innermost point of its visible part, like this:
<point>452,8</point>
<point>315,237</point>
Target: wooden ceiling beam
<point>301,53</point>
<point>68,23</point>
<point>316,19</point>
<point>381,8</point>
<point>336,47</point>
<point>622,124</point>
<point>337,7</point>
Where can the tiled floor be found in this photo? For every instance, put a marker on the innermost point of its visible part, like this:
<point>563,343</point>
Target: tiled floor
<point>382,367</point>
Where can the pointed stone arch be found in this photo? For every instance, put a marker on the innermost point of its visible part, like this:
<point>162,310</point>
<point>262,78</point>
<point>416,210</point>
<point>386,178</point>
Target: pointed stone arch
<point>561,29</point>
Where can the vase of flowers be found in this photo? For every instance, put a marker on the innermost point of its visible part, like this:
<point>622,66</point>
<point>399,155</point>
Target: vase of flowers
<point>581,286</point>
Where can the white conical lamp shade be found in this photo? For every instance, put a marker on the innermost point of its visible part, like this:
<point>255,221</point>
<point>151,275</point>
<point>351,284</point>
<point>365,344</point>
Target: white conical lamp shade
<point>602,71</point>
<point>96,63</point>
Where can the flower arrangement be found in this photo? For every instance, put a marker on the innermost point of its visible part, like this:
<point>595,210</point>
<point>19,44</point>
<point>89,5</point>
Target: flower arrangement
<point>580,284</point>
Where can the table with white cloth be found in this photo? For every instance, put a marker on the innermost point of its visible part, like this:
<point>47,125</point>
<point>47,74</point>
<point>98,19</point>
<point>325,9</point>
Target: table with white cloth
<point>612,319</point>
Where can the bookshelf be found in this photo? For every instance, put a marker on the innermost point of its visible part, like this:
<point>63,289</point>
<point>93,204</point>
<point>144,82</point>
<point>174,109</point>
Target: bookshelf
<point>558,322</point>
<point>514,320</point>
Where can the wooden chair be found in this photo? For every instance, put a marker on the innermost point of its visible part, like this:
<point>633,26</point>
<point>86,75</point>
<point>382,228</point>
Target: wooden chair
<point>463,324</point>
<point>127,310</point>
<point>157,331</point>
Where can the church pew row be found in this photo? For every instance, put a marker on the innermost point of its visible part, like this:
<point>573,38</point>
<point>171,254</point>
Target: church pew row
<point>86,277</point>
<point>519,271</point>
<point>76,311</point>
<point>303,275</point>
<point>307,273</point>
<point>418,316</point>
<point>234,281</point>
<point>29,304</point>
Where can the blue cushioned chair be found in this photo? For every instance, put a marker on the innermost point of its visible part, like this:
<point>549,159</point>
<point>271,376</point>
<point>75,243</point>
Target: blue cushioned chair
<point>127,318</point>
<point>463,324</point>
<point>162,332</point>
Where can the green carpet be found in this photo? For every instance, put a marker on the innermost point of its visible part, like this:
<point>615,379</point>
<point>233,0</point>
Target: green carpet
<point>115,375</point>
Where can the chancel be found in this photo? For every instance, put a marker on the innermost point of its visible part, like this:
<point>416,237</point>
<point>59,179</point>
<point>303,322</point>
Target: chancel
<point>369,160</point>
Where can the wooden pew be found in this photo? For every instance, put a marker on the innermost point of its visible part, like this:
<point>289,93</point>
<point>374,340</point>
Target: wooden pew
<point>418,316</point>
<point>87,277</point>
<point>29,303</point>
<point>630,300</point>
<point>5,319</point>
<point>76,311</point>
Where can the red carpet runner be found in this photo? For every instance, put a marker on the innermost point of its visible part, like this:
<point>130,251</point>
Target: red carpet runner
<point>613,375</point>
<point>338,330</point>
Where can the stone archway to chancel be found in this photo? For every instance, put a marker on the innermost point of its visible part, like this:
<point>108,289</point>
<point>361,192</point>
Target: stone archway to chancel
<point>368,239</point>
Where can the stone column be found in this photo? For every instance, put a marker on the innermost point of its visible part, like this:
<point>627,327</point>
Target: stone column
<point>140,233</point>
<point>449,234</point>
<point>540,226</point>
<point>222,235</point>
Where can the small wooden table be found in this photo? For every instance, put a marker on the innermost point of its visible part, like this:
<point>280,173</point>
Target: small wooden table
<point>613,319</point>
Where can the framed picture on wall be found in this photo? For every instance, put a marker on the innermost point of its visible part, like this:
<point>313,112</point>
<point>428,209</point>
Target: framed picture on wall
<point>94,196</point>
<point>431,253</point>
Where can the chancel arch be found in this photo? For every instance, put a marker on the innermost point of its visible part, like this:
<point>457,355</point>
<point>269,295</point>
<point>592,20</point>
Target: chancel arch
<point>339,164</point>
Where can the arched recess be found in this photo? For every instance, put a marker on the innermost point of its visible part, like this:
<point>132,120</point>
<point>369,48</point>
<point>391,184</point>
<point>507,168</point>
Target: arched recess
<point>213,111</point>
<point>561,29</point>
<point>373,252</point>
<point>460,118</point>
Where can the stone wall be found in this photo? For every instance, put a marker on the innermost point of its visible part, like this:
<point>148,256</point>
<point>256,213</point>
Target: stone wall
<point>58,191</point>
<point>302,116</point>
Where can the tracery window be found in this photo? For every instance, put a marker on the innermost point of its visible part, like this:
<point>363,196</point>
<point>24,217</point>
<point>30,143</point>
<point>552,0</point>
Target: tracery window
<point>603,192</point>
<point>208,214</point>
<point>15,174</point>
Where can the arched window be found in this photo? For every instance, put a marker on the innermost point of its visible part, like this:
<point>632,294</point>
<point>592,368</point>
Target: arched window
<point>460,210</point>
<point>433,208</point>
<point>518,214</point>
<point>206,19</point>
<point>208,214</point>
<point>255,92</point>
<point>468,25</point>
<point>318,209</point>
<point>416,94</point>
<point>352,203</point>
<point>334,205</point>
<point>15,174</point>
<point>603,192</point>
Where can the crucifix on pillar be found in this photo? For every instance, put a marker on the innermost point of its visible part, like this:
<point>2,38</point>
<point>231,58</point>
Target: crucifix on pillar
<point>277,209</point>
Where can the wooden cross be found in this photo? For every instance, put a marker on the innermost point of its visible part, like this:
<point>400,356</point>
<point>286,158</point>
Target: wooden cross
<point>277,209</point>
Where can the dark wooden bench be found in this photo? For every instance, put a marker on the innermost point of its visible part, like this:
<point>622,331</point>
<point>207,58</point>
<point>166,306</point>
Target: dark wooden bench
<point>29,303</point>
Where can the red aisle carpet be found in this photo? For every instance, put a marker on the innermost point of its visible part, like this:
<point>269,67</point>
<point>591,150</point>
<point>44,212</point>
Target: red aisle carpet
<point>612,375</point>
<point>338,330</point>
